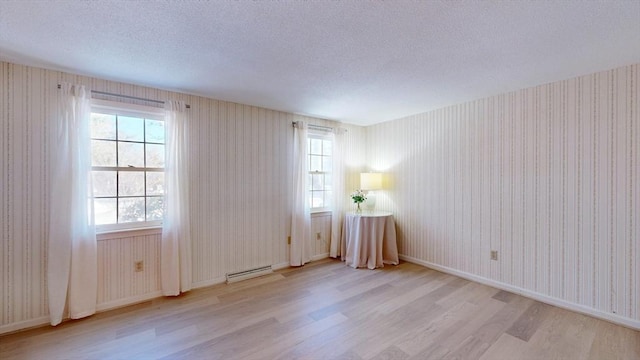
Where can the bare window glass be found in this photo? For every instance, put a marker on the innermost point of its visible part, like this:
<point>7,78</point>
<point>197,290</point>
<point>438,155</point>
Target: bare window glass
<point>128,168</point>
<point>320,162</point>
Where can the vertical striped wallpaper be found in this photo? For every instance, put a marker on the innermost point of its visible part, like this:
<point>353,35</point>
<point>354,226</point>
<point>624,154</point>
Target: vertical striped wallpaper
<point>240,179</point>
<point>23,194</point>
<point>547,176</point>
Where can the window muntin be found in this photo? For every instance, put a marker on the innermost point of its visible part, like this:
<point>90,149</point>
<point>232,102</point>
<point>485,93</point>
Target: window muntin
<point>320,180</point>
<point>127,166</point>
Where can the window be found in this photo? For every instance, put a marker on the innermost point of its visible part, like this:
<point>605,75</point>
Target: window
<point>127,145</point>
<point>320,162</point>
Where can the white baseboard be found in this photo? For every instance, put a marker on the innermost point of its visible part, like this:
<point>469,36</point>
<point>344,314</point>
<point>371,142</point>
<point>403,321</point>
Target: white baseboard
<point>222,279</point>
<point>282,265</point>
<point>319,257</point>
<point>110,305</point>
<point>285,265</point>
<point>205,283</point>
<point>620,320</point>
<point>22,325</point>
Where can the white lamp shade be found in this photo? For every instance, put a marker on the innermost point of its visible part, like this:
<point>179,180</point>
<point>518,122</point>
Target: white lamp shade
<point>370,181</point>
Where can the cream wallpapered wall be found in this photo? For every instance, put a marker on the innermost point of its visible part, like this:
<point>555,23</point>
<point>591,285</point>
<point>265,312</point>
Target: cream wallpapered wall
<point>240,182</point>
<point>547,176</point>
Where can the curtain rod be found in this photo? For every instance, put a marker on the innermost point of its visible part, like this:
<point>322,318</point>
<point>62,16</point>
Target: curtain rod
<point>318,127</point>
<point>127,97</point>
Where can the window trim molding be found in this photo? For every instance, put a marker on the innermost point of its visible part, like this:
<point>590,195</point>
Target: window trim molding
<point>126,109</point>
<point>130,232</point>
<point>133,110</point>
<point>321,135</point>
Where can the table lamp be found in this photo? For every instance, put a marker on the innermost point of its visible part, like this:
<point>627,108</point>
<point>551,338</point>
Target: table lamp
<point>370,182</point>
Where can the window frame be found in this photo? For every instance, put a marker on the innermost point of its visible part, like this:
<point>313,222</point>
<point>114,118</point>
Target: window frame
<point>132,110</point>
<point>322,135</point>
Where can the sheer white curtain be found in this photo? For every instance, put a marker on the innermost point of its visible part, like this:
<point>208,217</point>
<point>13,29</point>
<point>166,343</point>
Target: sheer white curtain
<point>176,274</point>
<point>72,256</point>
<point>300,251</point>
<point>337,214</point>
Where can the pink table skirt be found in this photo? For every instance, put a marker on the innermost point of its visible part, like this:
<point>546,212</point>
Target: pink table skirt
<point>369,240</point>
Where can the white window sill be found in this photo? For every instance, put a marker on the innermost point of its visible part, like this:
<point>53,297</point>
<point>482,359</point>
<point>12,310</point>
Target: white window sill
<point>320,213</point>
<point>123,233</point>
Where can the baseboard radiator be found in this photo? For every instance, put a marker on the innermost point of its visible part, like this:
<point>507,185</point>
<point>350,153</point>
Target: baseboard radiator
<point>248,274</point>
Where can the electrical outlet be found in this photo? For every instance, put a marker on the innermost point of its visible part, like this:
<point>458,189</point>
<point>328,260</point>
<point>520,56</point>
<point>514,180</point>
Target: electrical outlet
<point>139,265</point>
<point>318,236</point>
<point>494,255</point>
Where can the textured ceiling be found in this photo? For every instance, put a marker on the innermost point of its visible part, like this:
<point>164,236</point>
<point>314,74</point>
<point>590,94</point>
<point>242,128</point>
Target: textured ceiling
<point>359,62</point>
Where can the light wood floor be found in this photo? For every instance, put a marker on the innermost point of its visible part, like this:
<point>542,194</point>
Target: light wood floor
<point>327,310</point>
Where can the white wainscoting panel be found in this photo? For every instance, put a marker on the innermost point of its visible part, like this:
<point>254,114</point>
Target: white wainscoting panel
<point>117,278</point>
<point>547,176</point>
<point>320,234</point>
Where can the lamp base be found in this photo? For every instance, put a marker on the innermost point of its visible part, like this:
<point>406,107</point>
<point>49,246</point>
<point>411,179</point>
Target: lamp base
<point>370,204</point>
